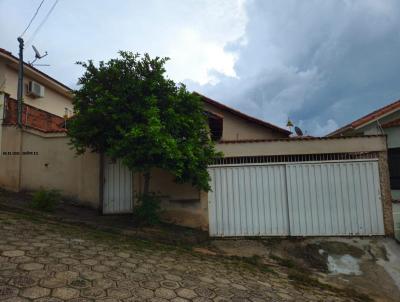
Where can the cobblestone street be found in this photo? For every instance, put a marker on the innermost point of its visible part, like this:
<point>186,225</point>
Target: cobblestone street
<point>48,262</point>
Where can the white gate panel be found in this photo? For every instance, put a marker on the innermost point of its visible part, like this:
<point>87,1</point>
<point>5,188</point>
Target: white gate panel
<point>117,194</point>
<point>338,198</point>
<point>248,201</point>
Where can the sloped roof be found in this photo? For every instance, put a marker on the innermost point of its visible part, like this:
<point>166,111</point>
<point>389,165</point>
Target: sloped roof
<point>243,115</point>
<point>393,123</point>
<point>14,59</point>
<point>368,118</point>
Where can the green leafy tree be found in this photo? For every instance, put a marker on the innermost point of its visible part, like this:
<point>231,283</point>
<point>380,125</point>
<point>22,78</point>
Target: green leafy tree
<point>128,109</point>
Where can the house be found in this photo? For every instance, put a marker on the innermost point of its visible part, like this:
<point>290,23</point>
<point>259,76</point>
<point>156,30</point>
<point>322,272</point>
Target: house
<point>267,184</point>
<point>386,121</point>
<point>270,184</point>
<point>38,155</point>
<point>56,98</point>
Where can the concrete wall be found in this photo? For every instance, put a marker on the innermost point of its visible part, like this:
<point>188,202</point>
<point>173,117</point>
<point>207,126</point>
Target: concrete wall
<point>181,204</point>
<point>53,101</point>
<point>9,158</point>
<point>185,205</point>
<point>48,162</point>
<point>304,146</point>
<point>235,128</point>
<point>2,102</point>
<point>386,197</point>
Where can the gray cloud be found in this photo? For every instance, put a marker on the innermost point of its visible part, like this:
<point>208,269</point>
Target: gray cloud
<point>321,63</point>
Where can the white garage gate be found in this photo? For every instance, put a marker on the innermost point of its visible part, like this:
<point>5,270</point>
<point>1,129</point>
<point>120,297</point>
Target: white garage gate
<point>117,188</point>
<point>325,198</point>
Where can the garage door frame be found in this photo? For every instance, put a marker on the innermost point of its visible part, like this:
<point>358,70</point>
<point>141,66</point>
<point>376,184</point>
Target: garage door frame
<point>215,225</point>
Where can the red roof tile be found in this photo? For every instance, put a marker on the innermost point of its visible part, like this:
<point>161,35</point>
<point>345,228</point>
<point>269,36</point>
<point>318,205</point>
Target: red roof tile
<point>393,123</point>
<point>368,118</point>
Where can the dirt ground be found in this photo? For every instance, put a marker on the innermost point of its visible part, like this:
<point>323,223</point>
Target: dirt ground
<point>367,265</point>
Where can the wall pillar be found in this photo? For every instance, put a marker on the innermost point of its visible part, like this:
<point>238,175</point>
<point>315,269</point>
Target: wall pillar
<point>204,210</point>
<point>2,98</point>
<point>386,193</point>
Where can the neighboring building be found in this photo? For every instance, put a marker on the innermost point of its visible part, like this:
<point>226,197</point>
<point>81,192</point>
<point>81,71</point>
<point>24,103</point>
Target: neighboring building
<point>38,155</point>
<point>266,184</point>
<point>56,98</point>
<point>238,126</point>
<point>385,120</point>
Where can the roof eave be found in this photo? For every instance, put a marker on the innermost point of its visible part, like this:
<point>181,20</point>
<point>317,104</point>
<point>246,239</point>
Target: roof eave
<point>243,115</point>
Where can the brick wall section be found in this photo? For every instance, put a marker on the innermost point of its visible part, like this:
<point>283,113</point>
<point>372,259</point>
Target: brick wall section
<point>386,194</point>
<point>33,118</point>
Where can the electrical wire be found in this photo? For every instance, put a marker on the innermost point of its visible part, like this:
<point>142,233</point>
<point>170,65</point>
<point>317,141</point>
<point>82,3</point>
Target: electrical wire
<point>42,23</point>
<point>33,18</point>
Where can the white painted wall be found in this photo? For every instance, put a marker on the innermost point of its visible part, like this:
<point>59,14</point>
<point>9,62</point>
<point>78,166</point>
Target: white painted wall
<point>393,136</point>
<point>396,219</point>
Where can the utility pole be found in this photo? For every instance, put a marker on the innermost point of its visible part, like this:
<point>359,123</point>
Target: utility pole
<point>20,80</point>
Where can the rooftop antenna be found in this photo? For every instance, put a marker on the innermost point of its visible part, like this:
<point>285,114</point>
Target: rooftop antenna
<point>298,131</point>
<point>38,56</point>
<point>289,125</point>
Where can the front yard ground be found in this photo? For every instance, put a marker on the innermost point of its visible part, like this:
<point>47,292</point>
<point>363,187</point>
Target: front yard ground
<point>75,250</point>
<point>43,260</point>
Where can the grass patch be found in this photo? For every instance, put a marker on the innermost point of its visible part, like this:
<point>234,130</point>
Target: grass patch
<point>45,200</point>
<point>111,236</point>
<point>251,263</point>
<point>283,261</point>
<point>147,213</point>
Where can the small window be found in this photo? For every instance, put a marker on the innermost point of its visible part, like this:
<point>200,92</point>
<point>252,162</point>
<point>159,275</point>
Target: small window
<point>394,168</point>
<point>215,123</point>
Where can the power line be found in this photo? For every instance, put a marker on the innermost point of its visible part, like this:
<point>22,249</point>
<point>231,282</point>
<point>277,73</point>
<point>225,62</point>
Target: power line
<point>33,18</point>
<point>42,23</point>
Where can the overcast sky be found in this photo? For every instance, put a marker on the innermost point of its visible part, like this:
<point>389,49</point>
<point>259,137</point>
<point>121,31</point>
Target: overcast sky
<point>320,63</point>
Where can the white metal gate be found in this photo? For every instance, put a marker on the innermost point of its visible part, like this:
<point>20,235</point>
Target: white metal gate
<point>297,199</point>
<point>117,194</point>
<point>248,201</point>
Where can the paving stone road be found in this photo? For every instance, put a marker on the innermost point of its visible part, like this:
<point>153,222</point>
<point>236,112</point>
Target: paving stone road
<point>45,262</point>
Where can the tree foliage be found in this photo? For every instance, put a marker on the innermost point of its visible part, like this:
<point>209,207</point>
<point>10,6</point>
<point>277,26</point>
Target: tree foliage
<point>128,109</point>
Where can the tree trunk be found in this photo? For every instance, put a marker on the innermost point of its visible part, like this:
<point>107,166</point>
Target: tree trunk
<point>146,185</point>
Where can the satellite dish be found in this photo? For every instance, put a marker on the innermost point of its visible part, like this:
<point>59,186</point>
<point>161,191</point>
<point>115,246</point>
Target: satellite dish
<point>298,131</point>
<point>37,55</point>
